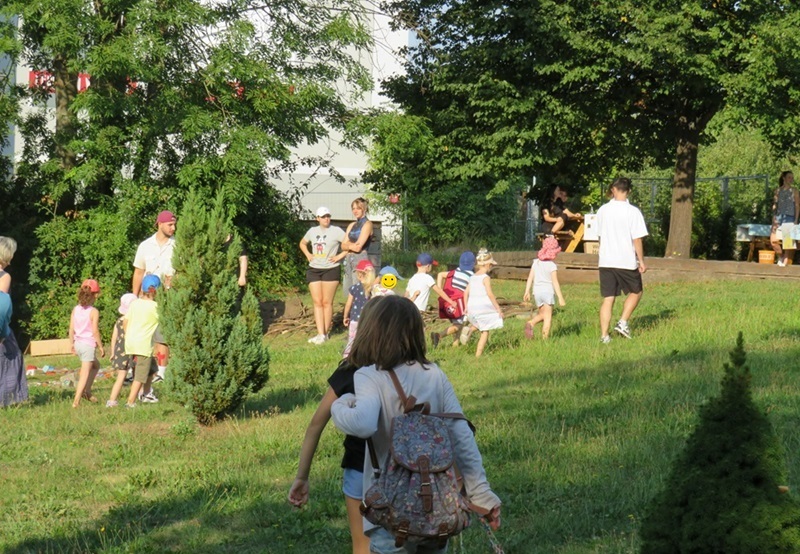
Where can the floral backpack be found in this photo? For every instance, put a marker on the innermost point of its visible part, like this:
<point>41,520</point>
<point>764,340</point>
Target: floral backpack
<point>418,496</point>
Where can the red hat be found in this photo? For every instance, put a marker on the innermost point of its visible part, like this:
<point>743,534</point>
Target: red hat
<point>91,284</point>
<point>165,217</point>
<point>364,265</point>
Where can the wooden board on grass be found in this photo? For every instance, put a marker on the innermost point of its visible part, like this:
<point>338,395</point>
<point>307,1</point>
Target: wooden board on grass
<point>49,347</point>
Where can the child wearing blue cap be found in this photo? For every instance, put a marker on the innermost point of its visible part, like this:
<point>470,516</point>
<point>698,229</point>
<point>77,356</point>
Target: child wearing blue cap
<point>420,285</point>
<point>140,325</point>
<point>454,283</point>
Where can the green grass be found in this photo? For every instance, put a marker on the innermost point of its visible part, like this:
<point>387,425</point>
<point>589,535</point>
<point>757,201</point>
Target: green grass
<point>576,436</point>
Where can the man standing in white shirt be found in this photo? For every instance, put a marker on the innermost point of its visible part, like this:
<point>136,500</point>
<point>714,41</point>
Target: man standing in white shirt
<point>154,257</point>
<point>621,228</point>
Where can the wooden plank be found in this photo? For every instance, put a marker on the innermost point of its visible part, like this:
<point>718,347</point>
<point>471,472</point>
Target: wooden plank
<point>576,239</point>
<point>49,347</point>
<point>580,267</point>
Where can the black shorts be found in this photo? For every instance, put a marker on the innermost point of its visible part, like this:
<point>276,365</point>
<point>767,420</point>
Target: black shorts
<point>613,281</point>
<point>314,274</point>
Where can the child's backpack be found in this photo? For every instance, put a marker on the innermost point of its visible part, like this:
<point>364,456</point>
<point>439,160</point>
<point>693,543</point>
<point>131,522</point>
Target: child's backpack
<point>446,311</point>
<point>418,495</point>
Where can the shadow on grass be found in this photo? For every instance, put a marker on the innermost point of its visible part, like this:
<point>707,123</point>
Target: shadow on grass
<point>282,400</point>
<point>39,396</point>
<point>210,519</point>
<point>650,321</point>
<point>568,330</point>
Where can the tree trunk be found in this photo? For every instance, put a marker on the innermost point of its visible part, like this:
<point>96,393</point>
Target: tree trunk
<point>66,88</point>
<point>679,239</point>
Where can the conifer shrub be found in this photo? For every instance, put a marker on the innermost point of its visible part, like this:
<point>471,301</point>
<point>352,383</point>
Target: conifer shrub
<point>722,495</point>
<point>217,357</point>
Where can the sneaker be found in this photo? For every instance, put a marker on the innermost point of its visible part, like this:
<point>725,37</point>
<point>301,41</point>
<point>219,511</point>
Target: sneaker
<point>130,405</point>
<point>112,404</point>
<point>528,330</point>
<point>157,379</point>
<point>319,339</point>
<point>623,329</point>
<point>465,333</point>
<point>148,398</point>
<point>781,263</point>
<point>435,338</point>
<point>605,340</point>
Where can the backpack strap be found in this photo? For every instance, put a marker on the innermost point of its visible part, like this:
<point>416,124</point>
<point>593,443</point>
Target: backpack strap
<point>409,403</point>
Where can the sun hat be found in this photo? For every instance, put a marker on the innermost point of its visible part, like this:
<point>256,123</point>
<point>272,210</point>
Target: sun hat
<point>91,284</point>
<point>322,211</point>
<point>549,249</point>
<point>467,261</point>
<point>150,282</point>
<point>364,265</point>
<point>389,270</point>
<point>125,302</point>
<point>426,259</point>
<point>484,257</point>
<point>165,217</point>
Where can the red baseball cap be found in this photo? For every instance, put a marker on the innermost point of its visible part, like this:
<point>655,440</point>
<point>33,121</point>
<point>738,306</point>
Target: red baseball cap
<point>165,217</point>
<point>364,265</point>
<point>91,284</point>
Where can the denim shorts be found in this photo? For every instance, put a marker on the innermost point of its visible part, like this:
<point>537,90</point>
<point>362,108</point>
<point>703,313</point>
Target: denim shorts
<point>85,351</point>
<point>353,483</point>
<point>381,541</point>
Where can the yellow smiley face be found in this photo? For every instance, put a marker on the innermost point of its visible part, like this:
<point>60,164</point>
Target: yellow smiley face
<point>389,281</point>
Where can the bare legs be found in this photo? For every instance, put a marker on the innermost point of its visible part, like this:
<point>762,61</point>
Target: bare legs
<point>544,315</point>
<point>85,381</point>
<point>360,540</point>
<point>484,338</point>
<point>631,301</point>
<point>322,293</point>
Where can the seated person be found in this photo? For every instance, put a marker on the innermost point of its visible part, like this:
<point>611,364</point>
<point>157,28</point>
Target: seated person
<point>555,214</point>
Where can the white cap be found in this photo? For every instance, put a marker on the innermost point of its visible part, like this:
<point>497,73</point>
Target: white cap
<point>323,211</point>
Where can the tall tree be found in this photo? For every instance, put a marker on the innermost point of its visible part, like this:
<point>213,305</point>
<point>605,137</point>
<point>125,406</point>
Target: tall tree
<point>188,94</point>
<point>572,90</point>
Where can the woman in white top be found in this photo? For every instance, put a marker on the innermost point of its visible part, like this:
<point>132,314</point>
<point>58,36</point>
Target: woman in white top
<point>391,337</point>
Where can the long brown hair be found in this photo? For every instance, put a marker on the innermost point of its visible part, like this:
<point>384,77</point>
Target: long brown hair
<point>390,333</point>
<point>85,296</point>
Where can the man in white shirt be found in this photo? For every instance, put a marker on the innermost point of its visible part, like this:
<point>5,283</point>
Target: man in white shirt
<point>621,228</point>
<point>154,257</point>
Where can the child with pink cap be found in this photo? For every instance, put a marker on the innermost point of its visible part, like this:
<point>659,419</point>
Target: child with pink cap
<point>84,334</point>
<point>357,297</point>
<point>120,362</point>
<point>544,278</point>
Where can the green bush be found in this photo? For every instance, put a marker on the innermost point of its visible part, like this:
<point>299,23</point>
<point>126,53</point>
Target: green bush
<point>722,495</point>
<point>217,357</point>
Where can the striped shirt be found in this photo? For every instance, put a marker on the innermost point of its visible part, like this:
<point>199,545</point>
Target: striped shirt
<point>461,279</point>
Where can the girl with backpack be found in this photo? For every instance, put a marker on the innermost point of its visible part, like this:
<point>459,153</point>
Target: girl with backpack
<point>391,344</point>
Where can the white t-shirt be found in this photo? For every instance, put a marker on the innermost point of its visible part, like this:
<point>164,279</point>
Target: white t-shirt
<point>618,224</point>
<point>421,282</point>
<point>154,258</point>
<point>543,274</point>
<point>324,244</point>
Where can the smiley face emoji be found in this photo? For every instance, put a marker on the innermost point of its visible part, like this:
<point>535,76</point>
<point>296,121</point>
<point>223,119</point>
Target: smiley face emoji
<point>389,281</point>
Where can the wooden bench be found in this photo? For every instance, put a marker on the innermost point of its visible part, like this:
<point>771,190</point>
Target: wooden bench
<point>568,241</point>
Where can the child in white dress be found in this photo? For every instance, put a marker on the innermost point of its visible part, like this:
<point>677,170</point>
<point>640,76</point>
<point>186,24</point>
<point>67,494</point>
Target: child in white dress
<point>483,311</point>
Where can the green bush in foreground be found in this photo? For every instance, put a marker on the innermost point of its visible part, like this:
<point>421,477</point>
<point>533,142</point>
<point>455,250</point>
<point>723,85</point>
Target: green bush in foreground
<point>722,495</point>
<point>217,357</point>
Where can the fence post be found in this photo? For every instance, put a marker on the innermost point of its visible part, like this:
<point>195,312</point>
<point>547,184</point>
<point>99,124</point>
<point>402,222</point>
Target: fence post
<point>724,193</point>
